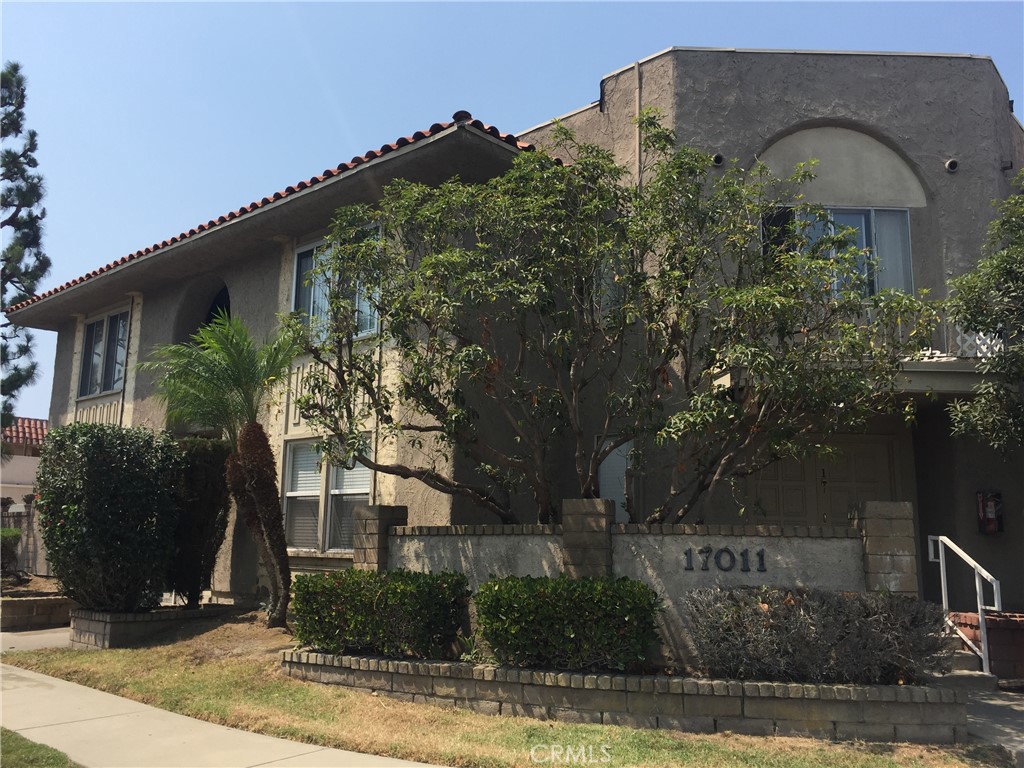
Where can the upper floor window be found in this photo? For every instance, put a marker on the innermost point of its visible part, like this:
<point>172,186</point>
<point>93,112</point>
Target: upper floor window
<point>311,297</point>
<point>104,351</point>
<point>885,234</point>
<point>881,233</point>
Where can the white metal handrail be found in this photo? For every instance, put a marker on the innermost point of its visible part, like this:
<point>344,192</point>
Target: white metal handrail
<point>941,544</point>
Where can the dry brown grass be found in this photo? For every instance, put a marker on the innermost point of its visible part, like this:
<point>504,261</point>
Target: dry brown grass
<point>29,586</point>
<point>228,672</point>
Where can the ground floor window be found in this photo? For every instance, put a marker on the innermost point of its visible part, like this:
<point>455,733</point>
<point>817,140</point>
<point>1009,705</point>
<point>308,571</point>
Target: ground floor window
<point>611,478</point>
<point>320,500</point>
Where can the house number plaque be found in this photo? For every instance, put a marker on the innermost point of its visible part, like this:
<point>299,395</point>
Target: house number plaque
<point>724,559</point>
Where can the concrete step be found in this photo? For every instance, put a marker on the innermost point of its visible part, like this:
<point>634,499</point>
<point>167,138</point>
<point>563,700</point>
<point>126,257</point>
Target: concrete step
<point>965,661</point>
<point>952,642</point>
<point>965,681</point>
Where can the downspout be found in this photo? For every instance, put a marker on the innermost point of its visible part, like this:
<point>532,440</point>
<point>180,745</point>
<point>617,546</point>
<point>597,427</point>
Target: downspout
<point>127,352</point>
<point>637,107</point>
<point>374,497</point>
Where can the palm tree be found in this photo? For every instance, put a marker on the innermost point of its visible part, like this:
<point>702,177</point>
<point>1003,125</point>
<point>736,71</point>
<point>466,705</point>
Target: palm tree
<point>223,380</point>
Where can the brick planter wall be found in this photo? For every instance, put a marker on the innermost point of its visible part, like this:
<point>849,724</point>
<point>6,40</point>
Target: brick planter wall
<point>35,612</point>
<point>1005,640</point>
<point>870,713</point>
<point>98,629</point>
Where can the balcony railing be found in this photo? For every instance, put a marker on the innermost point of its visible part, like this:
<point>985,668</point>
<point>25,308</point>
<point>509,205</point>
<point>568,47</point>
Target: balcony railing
<point>950,340</point>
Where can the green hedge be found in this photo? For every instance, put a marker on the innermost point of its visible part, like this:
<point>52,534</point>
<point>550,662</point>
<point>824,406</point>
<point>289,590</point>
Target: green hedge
<point>565,623</point>
<point>9,540</point>
<point>107,510</point>
<point>396,613</point>
<point>815,636</point>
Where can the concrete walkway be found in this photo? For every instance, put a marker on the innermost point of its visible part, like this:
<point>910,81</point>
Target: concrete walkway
<point>998,718</point>
<point>98,729</point>
<point>36,639</point>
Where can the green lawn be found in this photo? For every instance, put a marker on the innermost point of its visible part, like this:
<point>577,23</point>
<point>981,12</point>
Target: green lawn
<point>230,674</point>
<point>18,752</point>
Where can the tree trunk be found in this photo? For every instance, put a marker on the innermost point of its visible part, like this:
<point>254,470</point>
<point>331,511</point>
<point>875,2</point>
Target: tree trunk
<point>246,506</point>
<point>260,471</point>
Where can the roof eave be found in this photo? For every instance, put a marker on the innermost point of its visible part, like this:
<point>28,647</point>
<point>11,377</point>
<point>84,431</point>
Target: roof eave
<point>49,312</point>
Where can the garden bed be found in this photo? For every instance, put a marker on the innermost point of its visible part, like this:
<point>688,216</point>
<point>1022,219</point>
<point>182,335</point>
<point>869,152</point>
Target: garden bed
<point>41,612</point>
<point>880,713</point>
<point>98,629</point>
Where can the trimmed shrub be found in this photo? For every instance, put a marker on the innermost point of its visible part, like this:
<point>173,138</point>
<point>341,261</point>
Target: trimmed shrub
<point>815,636</point>
<point>107,510</point>
<point>396,613</point>
<point>565,623</point>
<point>203,504</point>
<point>9,540</point>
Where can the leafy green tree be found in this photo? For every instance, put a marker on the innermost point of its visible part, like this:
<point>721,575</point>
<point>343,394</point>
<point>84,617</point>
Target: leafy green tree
<point>990,300</point>
<point>25,263</point>
<point>223,379</point>
<point>546,318</point>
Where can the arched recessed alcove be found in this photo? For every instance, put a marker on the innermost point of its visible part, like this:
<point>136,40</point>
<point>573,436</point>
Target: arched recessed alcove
<point>854,169</point>
<point>200,300</point>
<point>221,303</point>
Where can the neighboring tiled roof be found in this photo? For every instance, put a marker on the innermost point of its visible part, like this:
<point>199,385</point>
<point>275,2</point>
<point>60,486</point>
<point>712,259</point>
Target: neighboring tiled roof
<point>459,117</point>
<point>25,431</point>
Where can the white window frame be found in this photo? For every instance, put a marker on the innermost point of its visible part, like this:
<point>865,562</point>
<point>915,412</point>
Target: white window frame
<point>324,496</point>
<point>334,492</point>
<point>299,283</point>
<point>87,357</point>
<point>289,452</point>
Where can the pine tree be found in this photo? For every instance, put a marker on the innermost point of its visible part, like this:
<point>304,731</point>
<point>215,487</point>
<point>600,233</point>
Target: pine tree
<point>25,263</point>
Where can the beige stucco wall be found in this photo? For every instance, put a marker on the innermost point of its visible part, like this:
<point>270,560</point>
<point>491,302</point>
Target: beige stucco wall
<point>19,476</point>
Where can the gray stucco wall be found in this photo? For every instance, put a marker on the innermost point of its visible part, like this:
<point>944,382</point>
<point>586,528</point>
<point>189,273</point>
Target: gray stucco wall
<point>833,561</point>
<point>479,557</point>
<point>660,560</point>
<point>926,108</point>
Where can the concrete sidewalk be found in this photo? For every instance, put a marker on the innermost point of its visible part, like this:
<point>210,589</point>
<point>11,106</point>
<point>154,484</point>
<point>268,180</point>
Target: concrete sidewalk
<point>100,730</point>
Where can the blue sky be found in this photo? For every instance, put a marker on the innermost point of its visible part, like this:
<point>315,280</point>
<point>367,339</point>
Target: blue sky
<point>153,118</point>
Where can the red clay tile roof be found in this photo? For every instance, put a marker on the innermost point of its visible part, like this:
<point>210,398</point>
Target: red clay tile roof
<point>25,431</point>
<point>461,116</point>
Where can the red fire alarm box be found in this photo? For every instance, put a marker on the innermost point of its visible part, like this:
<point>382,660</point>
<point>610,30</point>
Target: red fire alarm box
<point>990,512</point>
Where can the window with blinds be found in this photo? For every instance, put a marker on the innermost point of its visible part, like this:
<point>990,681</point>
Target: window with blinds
<point>304,480</point>
<point>302,496</point>
<point>349,488</point>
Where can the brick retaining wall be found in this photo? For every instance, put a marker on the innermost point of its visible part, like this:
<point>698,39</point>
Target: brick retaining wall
<point>35,612</point>
<point>870,713</point>
<point>97,629</point>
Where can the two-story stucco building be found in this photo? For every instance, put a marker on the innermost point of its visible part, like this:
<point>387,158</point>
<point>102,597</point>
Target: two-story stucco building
<point>912,149</point>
